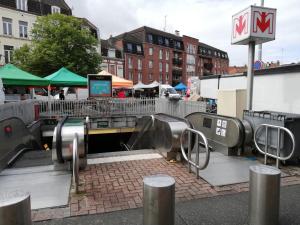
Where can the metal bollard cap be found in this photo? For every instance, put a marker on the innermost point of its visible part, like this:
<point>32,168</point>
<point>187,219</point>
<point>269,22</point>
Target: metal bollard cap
<point>12,197</point>
<point>263,169</point>
<point>159,180</point>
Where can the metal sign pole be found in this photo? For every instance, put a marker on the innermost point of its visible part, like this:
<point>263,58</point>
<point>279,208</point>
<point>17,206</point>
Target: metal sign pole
<point>250,73</point>
<point>260,45</point>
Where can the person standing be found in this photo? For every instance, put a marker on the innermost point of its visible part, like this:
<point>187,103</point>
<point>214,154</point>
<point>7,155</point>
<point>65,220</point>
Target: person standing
<point>61,95</point>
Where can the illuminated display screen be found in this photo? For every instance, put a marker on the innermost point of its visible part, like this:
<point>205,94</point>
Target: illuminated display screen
<point>100,86</point>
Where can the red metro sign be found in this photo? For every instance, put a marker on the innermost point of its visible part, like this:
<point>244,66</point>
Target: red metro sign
<point>253,24</point>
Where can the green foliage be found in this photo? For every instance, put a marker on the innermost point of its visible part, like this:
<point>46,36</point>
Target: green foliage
<point>59,41</point>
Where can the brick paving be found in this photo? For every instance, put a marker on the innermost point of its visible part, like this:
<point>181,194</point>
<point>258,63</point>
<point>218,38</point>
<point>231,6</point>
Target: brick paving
<point>118,186</point>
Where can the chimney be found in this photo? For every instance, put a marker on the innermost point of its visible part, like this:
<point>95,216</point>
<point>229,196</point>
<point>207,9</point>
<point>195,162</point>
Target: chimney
<point>177,33</point>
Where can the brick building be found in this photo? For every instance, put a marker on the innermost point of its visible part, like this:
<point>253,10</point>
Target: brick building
<point>150,54</point>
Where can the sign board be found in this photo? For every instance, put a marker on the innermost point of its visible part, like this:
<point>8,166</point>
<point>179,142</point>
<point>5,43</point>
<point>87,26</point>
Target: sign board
<point>254,24</point>
<point>99,86</point>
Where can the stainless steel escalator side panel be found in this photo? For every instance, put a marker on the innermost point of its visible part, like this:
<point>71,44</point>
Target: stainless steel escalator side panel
<point>67,135</point>
<point>223,133</point>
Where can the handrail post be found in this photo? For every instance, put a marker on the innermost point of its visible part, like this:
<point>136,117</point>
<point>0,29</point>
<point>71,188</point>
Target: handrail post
<point>277,156</point>
<point>189,150</point>
<point>197,155</point>
<point>278,148</point>
<point>266,146</point>
<point>195,164</point>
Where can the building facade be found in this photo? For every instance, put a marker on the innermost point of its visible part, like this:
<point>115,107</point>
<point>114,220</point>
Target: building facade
<point>150,54</point>
<point>112,58</point>
<point>17,18</point>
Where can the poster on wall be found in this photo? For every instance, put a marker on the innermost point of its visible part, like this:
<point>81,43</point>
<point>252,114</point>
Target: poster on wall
<point>99,86</point>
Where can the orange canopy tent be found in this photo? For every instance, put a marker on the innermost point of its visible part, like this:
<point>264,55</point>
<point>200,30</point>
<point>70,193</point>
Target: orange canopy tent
<point>118,82</point>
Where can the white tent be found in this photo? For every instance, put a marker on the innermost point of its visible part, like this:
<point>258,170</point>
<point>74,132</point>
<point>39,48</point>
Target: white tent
<point>153,84</point>
<point>140,86</point>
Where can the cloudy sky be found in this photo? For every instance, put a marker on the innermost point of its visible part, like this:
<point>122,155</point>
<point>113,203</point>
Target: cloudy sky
<point>207,20</point>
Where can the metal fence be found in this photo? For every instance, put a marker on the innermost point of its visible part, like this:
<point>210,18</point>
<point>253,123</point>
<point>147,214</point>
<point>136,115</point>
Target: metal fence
<point>99,108</point>
<point>179,108</point>
<point>23,109</point>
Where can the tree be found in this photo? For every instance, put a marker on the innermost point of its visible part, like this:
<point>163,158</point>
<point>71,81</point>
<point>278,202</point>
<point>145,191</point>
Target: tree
<point>59,41</point>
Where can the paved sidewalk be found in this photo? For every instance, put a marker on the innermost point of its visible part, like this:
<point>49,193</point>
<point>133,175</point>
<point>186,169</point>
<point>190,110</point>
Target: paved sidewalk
<point>220,210</point>
<point>118,186</point>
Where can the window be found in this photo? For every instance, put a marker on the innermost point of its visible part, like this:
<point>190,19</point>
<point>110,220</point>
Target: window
<point>167,55</point>
<point>160,40</point>
<point>167,67</point>
<point>130,75</point>
<point>23,28</point>
<point>139,48</point>
<point>150,51</point>
<point>150,38</point>
<point>177,45</point>
<point>111,53</point>
<point>139,76</point>
<point>55,9</point>
<point>104,66</point>
<point>22,5</point>
<point>129,47</point>
<point>8,53</point>
<point>160,67</point>
<point>150,64</point>
<point>160,78</point>
<point>120,70</point>
<point>139,64</point>
<point>190,59</point>
<point>112,69</point>
<point>160,54</point>
<point>129,62</point>
<point>167,77</point>
<point>7,26</point>
<point>167,43</point>
<point>150,76</point>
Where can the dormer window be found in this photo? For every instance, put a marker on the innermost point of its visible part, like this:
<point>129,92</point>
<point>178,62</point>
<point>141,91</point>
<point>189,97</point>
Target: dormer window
<point>55,9</point>
<point>139,48</point>
<point>22,5</point>
<point>111,53</point>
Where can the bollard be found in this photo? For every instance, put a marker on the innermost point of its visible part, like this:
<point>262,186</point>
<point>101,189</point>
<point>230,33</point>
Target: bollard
<point>15,208</point>
<point>264,190</point>
<point>159,200</point>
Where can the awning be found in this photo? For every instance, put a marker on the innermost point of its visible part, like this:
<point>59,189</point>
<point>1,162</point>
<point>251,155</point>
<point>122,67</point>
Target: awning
<point>118,82</point>
<point>66,78</point>
<point>180,87</point>
<point>12,75</point>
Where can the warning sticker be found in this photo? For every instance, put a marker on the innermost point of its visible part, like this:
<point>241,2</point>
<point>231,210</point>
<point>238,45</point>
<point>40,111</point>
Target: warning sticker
<point>223,132</point>
<point>219,123</point>
<point>224,123</point>
<point>218,131</point>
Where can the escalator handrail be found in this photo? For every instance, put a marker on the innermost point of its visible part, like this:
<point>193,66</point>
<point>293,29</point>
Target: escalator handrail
<point>75,163</point>
<point>58,146</point>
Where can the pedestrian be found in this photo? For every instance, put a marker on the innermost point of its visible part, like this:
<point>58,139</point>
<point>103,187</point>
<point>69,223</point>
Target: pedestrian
<point>61,95</point>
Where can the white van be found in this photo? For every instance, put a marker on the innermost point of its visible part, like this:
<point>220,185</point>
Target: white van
<point>2,94</point>
<point>72,93</point>
<point>167,91</point>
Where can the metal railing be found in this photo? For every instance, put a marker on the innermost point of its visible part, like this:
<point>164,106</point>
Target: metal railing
<point>265,151</point>
<point>27,110</point>
<point>179,108</point>
<point>75,163</point>
<point>198,144</point>
<point>96,108</point>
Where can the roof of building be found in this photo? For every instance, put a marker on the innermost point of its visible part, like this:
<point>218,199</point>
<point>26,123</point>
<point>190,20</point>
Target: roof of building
<point>127,36</point>
<point>59,3</point>
<point>201,44</point>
